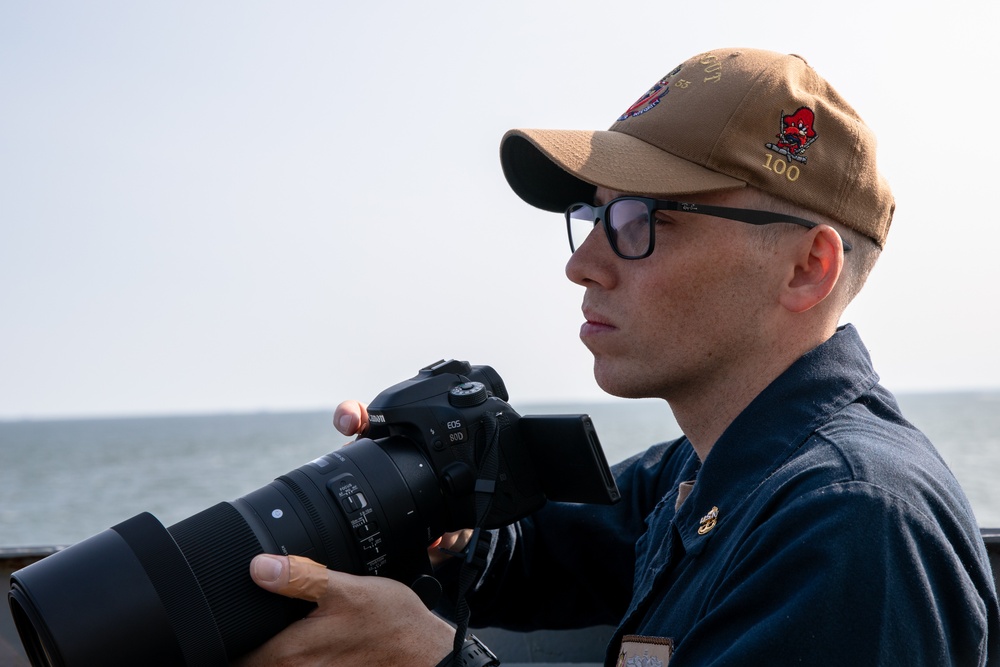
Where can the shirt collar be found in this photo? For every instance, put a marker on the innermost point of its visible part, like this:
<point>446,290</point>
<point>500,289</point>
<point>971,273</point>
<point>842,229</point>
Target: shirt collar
<point>818,385</point>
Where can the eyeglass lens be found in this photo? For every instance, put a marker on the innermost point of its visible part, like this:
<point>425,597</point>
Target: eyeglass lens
<point>627,225</point>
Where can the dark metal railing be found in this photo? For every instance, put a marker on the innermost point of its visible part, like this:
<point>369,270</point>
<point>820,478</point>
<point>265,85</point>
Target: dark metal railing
<point>579,648</point>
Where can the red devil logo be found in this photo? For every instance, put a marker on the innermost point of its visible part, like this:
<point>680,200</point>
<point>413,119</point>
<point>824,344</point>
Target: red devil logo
<point>796,135</point>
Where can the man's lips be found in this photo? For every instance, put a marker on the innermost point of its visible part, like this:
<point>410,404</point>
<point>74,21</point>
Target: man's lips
<point>595,324</point>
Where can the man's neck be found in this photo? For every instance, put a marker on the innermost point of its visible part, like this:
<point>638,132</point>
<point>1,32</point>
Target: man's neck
<point>705,412</point>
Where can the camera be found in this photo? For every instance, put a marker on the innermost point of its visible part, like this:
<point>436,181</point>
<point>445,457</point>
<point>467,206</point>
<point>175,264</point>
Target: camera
<point>444,451</point>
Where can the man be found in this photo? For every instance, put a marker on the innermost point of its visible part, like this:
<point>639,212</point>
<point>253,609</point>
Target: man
<point>720,228</point>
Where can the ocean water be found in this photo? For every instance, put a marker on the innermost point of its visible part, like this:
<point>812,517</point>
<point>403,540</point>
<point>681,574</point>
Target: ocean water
<point>64,480</point>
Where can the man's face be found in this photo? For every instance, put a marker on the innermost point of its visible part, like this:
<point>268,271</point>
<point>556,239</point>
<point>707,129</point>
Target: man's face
<point>685,319</point>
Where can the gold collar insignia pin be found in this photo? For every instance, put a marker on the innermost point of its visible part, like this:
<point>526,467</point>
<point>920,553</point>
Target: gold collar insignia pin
<point>708,521</point>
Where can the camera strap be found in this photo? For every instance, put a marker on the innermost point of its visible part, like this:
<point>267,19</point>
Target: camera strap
<point>477,550</point>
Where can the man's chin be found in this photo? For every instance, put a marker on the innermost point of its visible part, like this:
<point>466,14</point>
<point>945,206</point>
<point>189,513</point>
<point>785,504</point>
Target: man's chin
<point>617,380</point>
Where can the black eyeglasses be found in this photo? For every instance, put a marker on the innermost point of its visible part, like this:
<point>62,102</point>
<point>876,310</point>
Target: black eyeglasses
<point>628,222</point>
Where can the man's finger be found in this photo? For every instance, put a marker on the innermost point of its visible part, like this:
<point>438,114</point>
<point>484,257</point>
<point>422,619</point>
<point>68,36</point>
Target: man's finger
<point>292,576</point>
<point>351,418</point>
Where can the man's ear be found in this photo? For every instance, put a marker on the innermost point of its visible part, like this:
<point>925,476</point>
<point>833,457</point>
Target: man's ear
<point>817,261</point>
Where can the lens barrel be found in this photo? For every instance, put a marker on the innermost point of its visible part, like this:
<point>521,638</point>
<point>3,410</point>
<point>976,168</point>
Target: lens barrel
<point>142,594</point>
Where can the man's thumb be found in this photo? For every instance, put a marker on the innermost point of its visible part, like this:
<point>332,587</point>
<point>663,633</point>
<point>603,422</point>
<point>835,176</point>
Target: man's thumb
<point>292,576</point>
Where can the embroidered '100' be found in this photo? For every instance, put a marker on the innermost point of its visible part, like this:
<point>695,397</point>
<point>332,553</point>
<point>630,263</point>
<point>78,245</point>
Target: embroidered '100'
<point>780,167</point>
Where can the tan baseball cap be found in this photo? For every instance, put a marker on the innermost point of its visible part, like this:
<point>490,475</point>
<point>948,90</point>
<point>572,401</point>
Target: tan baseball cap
<point>724,119</point>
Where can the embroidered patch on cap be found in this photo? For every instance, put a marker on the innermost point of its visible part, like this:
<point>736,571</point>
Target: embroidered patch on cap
<point>796,135</point>
<point>638,651</point>
<point>651,98</point>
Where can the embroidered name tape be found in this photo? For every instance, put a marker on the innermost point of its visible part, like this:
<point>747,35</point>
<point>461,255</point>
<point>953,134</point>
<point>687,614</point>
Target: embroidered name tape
<point>638,651</point>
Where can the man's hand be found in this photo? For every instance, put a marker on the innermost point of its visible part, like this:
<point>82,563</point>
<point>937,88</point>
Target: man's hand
<point>368,621</point>
<point>351,418</point>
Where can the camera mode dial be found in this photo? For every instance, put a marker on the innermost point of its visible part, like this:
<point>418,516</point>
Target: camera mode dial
<point>468,394</point>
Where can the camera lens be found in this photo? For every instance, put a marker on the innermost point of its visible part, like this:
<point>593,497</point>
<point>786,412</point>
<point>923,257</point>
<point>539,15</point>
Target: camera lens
<point>34,645</point>
<point>139,593</point>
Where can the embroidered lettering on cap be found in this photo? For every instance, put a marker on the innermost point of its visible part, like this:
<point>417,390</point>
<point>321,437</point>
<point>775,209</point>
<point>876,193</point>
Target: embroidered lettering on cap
<point>712,66</point>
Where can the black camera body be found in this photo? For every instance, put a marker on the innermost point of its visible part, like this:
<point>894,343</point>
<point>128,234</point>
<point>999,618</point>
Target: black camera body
<point>443,451</point>
<point>458,415</point>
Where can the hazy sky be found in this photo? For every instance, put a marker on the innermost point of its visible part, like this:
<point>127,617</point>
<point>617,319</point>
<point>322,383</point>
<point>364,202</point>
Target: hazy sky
<point>258,205</point>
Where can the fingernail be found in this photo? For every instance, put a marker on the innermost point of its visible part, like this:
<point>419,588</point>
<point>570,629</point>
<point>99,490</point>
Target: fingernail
<point>267,568</point>
<point>345,423</point>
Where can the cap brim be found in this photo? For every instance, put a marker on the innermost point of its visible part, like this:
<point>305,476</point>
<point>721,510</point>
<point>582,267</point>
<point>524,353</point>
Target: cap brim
<point>552,169</point>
